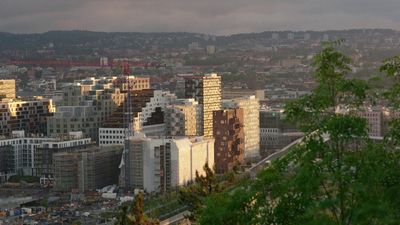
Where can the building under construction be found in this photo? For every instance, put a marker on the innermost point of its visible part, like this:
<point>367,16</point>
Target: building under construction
<point>86,169</point>
<point>43,155</point>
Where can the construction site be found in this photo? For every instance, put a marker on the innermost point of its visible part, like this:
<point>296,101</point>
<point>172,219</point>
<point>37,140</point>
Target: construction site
<point>86,169</point>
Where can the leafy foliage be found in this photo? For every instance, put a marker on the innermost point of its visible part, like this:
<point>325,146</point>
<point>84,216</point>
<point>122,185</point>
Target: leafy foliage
<point>348,179</point>
<point>136,215</point>
<point>334,90</point>
<point>194,194</point>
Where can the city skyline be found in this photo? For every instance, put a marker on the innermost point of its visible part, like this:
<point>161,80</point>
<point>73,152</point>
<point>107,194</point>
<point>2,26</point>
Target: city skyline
<point>154,112</point>
<point>217,17</point>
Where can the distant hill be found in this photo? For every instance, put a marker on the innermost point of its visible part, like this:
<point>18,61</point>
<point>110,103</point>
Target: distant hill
<point>71,41</point>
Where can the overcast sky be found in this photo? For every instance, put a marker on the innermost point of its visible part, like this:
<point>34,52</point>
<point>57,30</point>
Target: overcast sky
<point>203,16</point>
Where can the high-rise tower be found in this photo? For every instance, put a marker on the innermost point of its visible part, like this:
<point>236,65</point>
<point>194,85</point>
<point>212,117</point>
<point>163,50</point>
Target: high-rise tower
<point>251,123</point>
<point>207,91</point>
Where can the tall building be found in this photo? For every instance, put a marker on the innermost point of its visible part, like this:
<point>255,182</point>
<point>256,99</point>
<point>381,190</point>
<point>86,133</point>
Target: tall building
<point>28,115</point>
<point>229,139</point>
<point>7,90</point>
<point>159,164</point>
<point>183,119</point>
<point>87,104</point>
<point>207,91</point>
<point>251,124</point>
<point>148,110</point>
<point>86,169</point>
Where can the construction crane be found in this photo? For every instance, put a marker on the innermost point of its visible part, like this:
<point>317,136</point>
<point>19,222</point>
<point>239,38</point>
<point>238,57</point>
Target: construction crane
<point>128,121</point>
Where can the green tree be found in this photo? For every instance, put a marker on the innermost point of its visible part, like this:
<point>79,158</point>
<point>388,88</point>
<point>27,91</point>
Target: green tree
<point>122,217</point>
<point>193,195</point>
<point>333,91</point>
<point>348,179</point>
<point>208,182</point>
<point>136,215</point>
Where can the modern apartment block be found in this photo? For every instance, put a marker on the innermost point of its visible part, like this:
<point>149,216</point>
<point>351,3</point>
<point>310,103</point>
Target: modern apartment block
<point>28,115</point>
<point>72,119</point>
<point>229,139</point>
<point>275,132</point>
<point>86,104</point>
<point>159,164</point>
<point>147,114</point>
<point>132,82</point>
<point>207,91</point>
<point>24,153</point>
<point>92,89</point>
<point>18,154</point>
<point>251,124</point>
<point>231,93</point>
<point>7,162</point>
<point>86,169</point>
<point>7,90</point>
<point>375,121</point>
<point>183,119</point>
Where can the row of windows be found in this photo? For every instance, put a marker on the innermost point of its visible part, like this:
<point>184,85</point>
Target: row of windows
<point>111,131</point>
<point>3,143</point>
<point>113,137</point>
<point>111,142</point>
<point>272,130</point>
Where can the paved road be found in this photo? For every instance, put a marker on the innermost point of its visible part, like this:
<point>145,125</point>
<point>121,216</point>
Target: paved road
<point>274,156</point>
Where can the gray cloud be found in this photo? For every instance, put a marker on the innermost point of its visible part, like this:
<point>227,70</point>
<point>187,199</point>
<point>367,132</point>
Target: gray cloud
<point>205,16</point>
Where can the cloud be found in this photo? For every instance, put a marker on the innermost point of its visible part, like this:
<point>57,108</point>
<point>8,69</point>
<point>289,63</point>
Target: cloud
<point>204,16</point>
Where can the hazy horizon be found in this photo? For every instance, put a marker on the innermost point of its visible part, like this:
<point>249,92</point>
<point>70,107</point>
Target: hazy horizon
<point>161,32</point>
<point>218,17</point>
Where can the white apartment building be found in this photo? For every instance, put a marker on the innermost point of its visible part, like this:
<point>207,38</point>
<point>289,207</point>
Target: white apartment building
<point>375,121</point>
<point>251,118</point>
<point>117,136</point>
<point>158,164</point>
